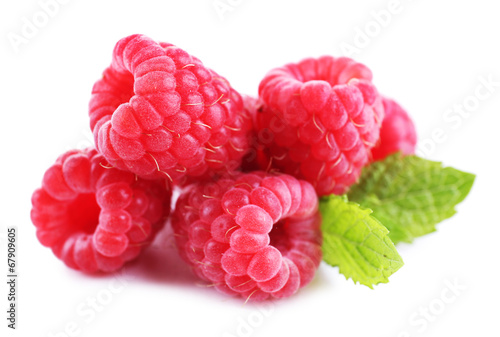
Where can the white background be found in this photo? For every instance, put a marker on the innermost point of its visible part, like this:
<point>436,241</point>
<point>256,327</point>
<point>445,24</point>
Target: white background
<point>430,57</point>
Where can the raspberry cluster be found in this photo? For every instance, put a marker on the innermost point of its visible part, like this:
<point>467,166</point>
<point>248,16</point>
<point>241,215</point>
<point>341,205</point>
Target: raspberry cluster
<point>248,171</point>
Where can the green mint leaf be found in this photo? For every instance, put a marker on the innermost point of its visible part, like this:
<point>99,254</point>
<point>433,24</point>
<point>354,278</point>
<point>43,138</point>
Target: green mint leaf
<point>356,242</point>
<point>410,195</point>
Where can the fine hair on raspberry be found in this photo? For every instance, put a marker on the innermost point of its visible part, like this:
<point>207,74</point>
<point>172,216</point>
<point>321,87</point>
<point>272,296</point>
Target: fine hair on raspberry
<point>94,217</point>
<point>254,235</point>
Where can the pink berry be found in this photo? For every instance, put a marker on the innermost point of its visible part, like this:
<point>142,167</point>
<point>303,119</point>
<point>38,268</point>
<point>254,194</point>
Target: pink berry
<point>96,218</point>
<point>316,120</point>
<point>232,240</point>
<point>158,112</point>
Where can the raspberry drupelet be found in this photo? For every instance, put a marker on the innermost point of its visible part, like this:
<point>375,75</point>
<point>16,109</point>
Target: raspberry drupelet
<point>318,120</point>
<point>255,235</point>
<point>159,112</point>
<point>96,218</point>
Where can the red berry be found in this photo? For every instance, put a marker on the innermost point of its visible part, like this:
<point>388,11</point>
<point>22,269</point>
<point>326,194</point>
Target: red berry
<point>97,218</point>
<point>316,120</point>
<point>397,133</point>
<point>159,112</point>
<point>263,239</point>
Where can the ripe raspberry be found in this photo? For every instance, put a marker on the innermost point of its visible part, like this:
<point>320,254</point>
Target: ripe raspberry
<point>318,121</point>
<point>397,133</point>
<point>255,235</point>
<point>96,218</point>
<point>159,112</point>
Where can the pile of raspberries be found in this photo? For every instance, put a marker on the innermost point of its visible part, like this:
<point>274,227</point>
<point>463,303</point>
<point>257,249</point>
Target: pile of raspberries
<point>247,171</point>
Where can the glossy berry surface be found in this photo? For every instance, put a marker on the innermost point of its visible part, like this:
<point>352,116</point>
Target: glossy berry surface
<point>318,120</point>
<point>255,236</point>
<point>159,112</point>
<point>96,218</point>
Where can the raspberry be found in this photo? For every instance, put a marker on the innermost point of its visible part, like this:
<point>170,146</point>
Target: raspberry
<point>96,218</point>
<point>397,133</point>
<point>255,235</point>
<point>157,111</point>
<point>318,121</point>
